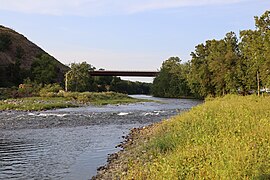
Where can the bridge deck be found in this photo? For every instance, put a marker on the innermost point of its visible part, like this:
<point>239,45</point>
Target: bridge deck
<point>125,73</point>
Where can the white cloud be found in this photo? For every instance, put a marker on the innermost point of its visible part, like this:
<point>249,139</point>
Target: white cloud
<point>99,7</point>
<point>163,4</point>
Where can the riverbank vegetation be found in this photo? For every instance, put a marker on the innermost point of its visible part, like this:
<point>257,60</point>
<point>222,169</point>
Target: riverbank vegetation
<point>224,138</point>
<point>78,80</point>
<point>228,136</point>
<point>51,96</point>
<point>61,99</point>
<point>40,94</point>
<point>22,60</point>
<point>36,103</point>
<point>219,67</point>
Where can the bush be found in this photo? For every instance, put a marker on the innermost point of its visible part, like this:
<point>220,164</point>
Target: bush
<point>50,90</point>
<point>91,96</point>
<point>6,93</point>
<point>71,95</point>
<point>5,42</point>
<point>27,89</point>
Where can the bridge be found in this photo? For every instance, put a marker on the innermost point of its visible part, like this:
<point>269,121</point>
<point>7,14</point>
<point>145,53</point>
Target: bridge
<point>124,73</point>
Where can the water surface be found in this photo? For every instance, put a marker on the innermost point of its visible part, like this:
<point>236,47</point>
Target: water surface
<point>72,143</point>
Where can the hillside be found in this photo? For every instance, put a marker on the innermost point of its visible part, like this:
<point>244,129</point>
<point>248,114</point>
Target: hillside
<point>14,48</point>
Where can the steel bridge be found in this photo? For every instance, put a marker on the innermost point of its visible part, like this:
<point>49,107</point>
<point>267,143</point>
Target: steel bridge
<point>124,73</point>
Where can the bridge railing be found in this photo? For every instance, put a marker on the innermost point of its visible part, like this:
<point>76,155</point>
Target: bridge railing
<point>125,73</point>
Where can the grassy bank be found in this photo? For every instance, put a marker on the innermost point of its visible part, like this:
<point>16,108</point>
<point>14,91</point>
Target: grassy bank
<point>225,138</point>
<point>64,100</point>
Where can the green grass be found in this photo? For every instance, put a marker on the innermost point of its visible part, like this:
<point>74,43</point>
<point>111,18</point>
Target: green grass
<point>116,101</point>
<point>225,138</point>
<point>64,100</point>
<point>35,103</point>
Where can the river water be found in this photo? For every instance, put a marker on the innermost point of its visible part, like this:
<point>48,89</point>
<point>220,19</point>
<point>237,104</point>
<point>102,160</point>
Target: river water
<point>72,143</point>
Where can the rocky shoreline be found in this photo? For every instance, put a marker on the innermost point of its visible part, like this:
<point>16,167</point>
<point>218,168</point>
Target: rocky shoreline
<point>95,119</point>
<point>117,163</point>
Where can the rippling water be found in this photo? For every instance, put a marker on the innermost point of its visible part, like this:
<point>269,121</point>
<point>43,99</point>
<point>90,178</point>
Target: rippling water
<point>71,143</point>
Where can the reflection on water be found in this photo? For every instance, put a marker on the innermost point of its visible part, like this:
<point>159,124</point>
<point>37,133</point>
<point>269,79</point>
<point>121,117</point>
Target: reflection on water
<point>57,153</point>
<point>73,151</point>
<point>13,156</point>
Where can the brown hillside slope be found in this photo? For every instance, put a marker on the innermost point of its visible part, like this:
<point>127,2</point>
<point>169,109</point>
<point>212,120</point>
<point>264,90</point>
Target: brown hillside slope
<point>20,46</point>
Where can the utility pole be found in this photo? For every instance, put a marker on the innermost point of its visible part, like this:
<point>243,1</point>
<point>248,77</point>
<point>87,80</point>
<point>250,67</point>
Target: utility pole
<point>258,83</point>
<point>66,80</point>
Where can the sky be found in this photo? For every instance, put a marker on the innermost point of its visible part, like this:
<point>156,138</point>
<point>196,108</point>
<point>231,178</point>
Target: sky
<point>127,34</point>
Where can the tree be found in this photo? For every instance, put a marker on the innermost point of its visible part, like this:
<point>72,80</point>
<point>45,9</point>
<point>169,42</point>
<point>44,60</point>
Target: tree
<point>14,71</point>
<point>222,59</point>
<point>253,59</point>
<point>78,78</point>
<point>219,67</point>
<point>171,81</point>
<point>263,27</point>
<point>214,67</point>
<point>5,42</point>
<point>233,62</point>
<point>199,76</point>
<point>255,49</point>
<point>44,70</point>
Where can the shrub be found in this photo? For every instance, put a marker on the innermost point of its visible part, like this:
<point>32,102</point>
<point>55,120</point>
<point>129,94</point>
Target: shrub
<point>27,89</point>
<point>225,138</point>
<point>5,42</point>
<point>50,90</point>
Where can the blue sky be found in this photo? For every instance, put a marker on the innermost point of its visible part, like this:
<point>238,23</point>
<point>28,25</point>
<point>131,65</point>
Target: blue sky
<point>127,34</point>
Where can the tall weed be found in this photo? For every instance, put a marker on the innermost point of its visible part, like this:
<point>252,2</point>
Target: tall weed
<point>225,138</point>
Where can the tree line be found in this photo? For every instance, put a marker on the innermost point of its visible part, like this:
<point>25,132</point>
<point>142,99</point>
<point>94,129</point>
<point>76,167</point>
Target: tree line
<point>78,79</point>
<point>219,67</point>
<point>44,71</point>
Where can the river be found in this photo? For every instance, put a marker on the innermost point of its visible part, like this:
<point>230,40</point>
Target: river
<point>72,143</point>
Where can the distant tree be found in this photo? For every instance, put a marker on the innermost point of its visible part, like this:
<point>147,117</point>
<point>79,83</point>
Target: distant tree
<point>120,86</point>
<point>44,70</point>
<point>222,59</point>
<point>215,68</point>
<point>14,71</point>
<point>262,24</point>
<point>171,81</point>
<point>19,52</point>
<point>114,81</point>
<point>161,84</point>
<point>255,47</point>
<point>219,67</point>
<point>199,77</point>
<point>253,57</point>
<point>5,42</point>
<point>145,88</point>
<point>79,79</point>
<point>103,80</point>
<point>233,63</point>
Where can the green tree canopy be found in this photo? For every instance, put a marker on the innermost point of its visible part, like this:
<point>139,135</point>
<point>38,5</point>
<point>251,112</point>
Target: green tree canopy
<point>219,67</point>
<point>5,42</point>
<point>44,70</point>
<point>78,77</point>
<point>171,81</point>
<point>255,48</point>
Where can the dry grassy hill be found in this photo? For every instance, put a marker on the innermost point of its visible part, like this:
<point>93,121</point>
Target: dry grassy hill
<point>14,46</point>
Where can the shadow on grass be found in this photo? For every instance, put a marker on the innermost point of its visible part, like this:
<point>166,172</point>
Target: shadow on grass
<point>263,177</point>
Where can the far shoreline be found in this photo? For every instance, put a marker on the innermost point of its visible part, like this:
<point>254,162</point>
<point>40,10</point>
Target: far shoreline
<point>67,100</point>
